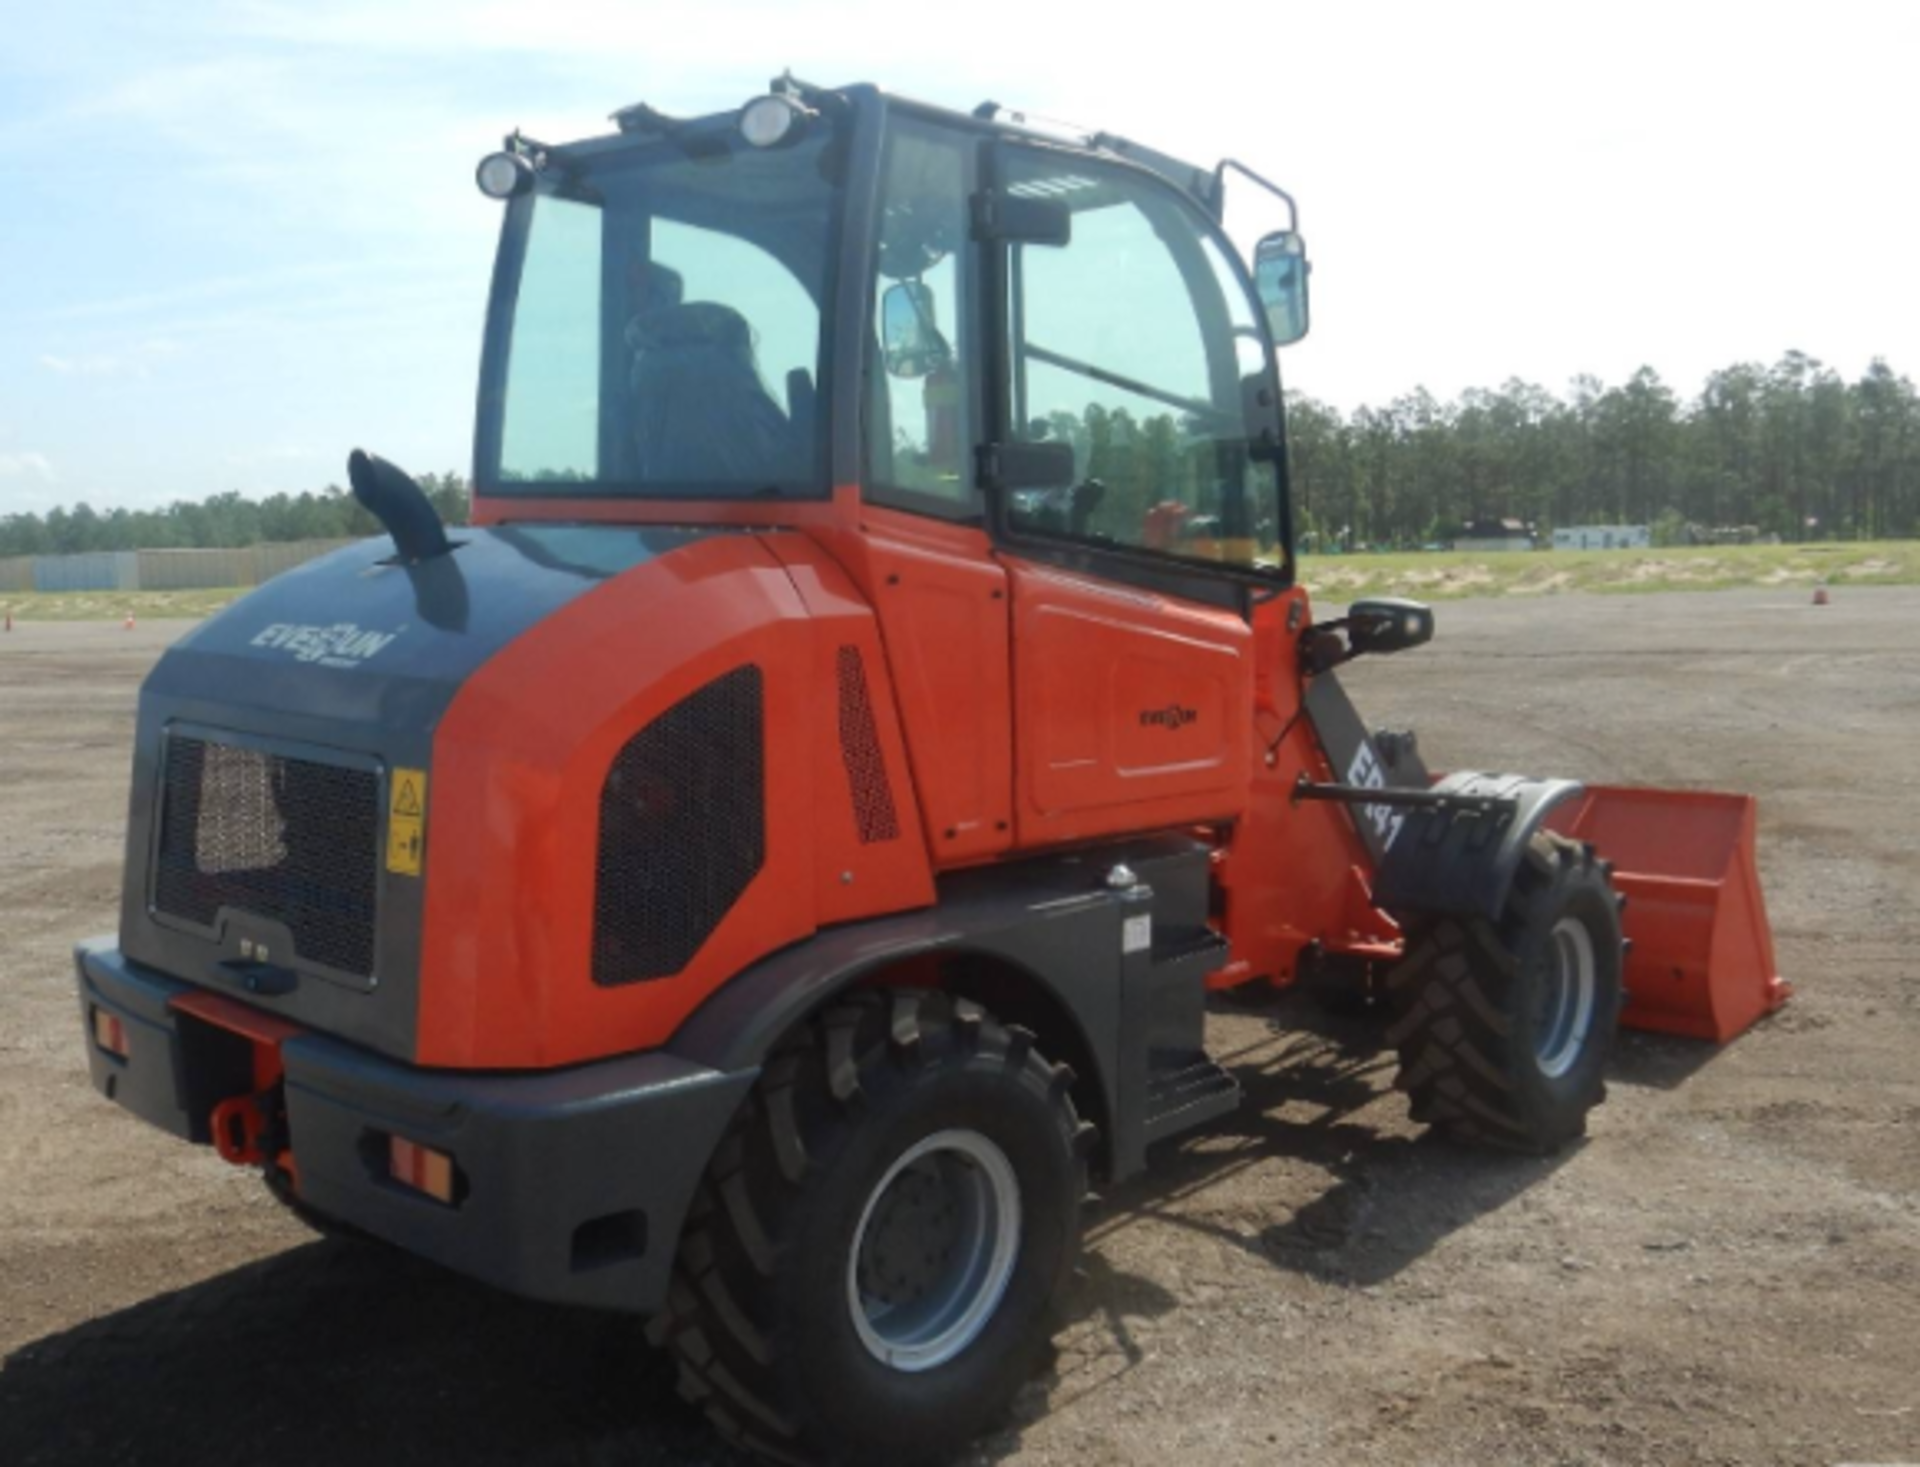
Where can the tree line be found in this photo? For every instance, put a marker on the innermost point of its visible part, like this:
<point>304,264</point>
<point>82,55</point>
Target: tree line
<point>1792,450</point>
<point>224,521</point>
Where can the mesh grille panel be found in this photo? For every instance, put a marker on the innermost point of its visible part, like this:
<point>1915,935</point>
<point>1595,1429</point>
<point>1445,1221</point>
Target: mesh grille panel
<point>682,830</point>
<point>286,839</point>
<point>873,810</point>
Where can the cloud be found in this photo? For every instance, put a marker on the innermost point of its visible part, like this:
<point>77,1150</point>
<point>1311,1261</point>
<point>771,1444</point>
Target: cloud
<point>263,456</point>
<point>134,361</point>
<point>280,278</point>
<point>27,465</point>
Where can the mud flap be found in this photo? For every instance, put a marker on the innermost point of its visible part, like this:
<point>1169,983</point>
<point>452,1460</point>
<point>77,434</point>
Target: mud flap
<point>1460,860</point>
<point>1701,960</point>
<point>1429,860</point>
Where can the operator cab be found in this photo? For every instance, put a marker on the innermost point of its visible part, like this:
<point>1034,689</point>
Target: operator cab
<point>1050,337</point>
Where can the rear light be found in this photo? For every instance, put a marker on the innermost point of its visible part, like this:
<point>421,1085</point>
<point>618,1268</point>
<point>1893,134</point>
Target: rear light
<point>421,1168</point>
<point>109,1033</point>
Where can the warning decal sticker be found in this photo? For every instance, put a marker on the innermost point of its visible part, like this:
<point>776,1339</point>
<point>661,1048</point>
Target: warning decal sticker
<point>406,821</point>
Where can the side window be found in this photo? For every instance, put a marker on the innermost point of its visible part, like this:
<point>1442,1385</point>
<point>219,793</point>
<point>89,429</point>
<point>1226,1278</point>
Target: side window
<point>552,415</point>
<point>919,438</point>
<point>1133,343</point>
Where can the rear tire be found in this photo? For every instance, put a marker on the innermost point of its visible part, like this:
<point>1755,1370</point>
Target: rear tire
<point>1504,1028</point>
<point>876,1257</point>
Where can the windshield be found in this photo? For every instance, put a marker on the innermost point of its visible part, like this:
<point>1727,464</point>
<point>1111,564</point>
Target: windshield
<point>665,336</point>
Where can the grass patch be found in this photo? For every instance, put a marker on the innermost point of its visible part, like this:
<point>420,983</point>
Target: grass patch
<point>1454,575</point>
<point>1440,575</point>
<point>116,605</point>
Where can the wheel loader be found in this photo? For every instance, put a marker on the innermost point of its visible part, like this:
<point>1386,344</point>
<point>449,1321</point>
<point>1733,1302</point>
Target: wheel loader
<point>766,868</point>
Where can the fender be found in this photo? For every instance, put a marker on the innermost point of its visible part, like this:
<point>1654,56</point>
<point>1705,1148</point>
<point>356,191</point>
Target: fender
<point>1056,923</point>
<point>1459,857</point>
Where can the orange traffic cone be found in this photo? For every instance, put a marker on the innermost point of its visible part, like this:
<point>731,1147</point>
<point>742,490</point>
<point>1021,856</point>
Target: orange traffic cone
<point>1820,597</point>
<point>129,626</point>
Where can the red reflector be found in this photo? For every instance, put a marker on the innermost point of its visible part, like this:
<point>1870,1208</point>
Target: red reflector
<point>421,1168</point>
<point>109,1033</point>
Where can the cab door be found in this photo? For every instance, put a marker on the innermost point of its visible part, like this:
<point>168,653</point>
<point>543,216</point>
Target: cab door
<point>923,554</point>
<point>1133,345</point>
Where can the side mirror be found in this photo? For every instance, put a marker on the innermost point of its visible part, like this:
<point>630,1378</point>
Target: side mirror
<point>1385,624</point>
<point>1388,624</point>
<point>910,336</point>
<point>1280,271</point>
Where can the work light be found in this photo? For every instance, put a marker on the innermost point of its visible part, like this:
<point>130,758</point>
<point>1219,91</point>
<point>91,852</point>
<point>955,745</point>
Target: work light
<point>767,122</point>
<point>502,175</point>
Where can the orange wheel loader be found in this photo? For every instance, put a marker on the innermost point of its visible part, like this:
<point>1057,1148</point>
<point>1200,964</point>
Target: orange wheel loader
<point>758,872</point>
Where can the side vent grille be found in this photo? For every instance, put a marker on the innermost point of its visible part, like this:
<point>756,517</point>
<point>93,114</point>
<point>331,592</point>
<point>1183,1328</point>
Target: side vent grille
<point>682,830</point>
<point>873,811</point>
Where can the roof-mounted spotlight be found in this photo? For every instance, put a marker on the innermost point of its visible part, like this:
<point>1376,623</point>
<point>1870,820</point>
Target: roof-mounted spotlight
<point>503,175</point>
<point>775,119</point>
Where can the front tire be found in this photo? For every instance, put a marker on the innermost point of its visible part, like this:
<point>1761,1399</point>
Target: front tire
<point>1504,1028</point>
<point>877,1255</point>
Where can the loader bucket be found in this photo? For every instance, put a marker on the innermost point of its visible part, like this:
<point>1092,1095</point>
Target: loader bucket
<point>1701,956</point>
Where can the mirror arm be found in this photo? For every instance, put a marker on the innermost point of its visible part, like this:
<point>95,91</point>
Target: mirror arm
<point>1325,645</point>
<point>1220,184</point>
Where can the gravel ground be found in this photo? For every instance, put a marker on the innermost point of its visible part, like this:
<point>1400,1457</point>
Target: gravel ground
<point>1726,1272</point>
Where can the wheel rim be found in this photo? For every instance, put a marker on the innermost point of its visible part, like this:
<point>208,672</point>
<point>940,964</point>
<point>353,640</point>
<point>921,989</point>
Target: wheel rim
<point>1565,1016</point>
<point>934,1251</point>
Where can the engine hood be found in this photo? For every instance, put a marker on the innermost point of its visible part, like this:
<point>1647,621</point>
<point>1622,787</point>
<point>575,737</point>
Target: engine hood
<point>353,638</point>
<point>273,743</point>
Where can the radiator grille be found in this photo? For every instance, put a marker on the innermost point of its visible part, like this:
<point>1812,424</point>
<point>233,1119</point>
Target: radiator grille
<point>873,811</point>
<point>682,830</point>
<point>287,839</point>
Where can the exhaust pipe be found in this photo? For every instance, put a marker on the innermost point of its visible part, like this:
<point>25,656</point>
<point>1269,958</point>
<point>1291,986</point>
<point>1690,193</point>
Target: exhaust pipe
<point>401,506</point>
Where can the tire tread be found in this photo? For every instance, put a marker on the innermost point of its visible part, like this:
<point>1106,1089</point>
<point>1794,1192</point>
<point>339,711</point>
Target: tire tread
<point>1455,997</point>
<point>732,1365</point>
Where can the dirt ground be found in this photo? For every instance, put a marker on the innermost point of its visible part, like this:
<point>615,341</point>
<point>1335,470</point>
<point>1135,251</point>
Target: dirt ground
<point>1728,1271</point>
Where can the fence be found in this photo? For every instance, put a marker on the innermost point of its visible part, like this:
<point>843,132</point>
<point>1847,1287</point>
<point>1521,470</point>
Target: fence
<point>99,570</point>
<point>158,570</point>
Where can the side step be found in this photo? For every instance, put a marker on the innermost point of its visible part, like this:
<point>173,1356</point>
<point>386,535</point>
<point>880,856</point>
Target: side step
<point>1184,1087</point>
<point>1164,1081</point>
<point>1185,1092</point>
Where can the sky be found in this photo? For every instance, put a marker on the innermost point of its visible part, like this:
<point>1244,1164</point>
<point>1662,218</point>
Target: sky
<point>239,238</point>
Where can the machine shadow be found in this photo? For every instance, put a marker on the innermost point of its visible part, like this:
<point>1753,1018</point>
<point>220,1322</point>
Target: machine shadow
<point>1393,1192</point>
<point>335,1353</point>
<point>1657,1061</point>
<point>1364,1193</point>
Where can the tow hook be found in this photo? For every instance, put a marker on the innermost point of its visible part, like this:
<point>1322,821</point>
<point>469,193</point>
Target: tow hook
<point>245,1128</point>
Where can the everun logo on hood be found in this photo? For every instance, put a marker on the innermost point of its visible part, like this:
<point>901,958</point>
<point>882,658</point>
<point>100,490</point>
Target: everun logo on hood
<point>343,644</point>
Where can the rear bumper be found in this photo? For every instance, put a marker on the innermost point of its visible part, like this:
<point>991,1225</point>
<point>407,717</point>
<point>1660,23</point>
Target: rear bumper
<point>573,1183</point>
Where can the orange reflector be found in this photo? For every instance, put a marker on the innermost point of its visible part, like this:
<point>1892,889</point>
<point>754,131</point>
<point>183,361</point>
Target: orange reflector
<point>421,1168</point>
<point>109,1033</point>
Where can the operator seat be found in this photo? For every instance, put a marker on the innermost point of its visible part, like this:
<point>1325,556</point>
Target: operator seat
<point>701,413</point>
